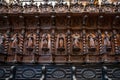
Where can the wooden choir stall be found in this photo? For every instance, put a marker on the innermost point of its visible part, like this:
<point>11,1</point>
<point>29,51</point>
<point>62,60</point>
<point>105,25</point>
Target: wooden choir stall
<point>64,41</point>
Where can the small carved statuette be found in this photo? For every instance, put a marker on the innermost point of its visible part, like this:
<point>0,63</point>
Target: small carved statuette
<point>30,41</point>
<point>92,42</point>
<point>76,42</point>
<point>45,40</point>
<point>107,41</point>
<point>15,42</point>
<point>61,42</point>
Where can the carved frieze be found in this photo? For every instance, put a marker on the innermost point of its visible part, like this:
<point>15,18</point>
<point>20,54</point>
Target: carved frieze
<point>61,8</point>
<point>107,8</point>
<point>3,8</point>
<point>76,8</point>
<point>57,7</point>
<point>15,8</point>
<point>46,8</point>
<point>31,8</point>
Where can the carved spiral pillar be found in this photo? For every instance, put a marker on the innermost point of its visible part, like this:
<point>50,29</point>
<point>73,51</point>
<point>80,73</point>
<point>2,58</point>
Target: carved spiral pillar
<point>22,41</point>
<point>68,39</point>
<point>53,43</point>
<point>7,36</point>
<point>84,42</point>
<point>37,41</point>
<point>116,49</point>
<point>100,41</point>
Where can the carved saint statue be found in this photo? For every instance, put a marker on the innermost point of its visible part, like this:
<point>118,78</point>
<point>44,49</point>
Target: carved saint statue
<point>45,40</point>
<point>91,38</point>
<point>15,41</point>
<point>61,41</point>
<point>30,40</point>
<point>76,40</point>
<point>107,39</point>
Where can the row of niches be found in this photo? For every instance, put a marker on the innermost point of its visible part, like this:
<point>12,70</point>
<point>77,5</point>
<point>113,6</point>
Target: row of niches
<point>58,8</point>
<point>98,42</point>
<point>61,43</point>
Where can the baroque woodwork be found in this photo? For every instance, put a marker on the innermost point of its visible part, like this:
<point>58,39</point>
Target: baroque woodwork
<point>63,42</point>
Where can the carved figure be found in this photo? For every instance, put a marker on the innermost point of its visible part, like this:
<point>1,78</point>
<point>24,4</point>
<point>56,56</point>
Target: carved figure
<point>61,41</point>
<point>76,40</point>
<point>45,40</point>
<point>30,40</point>
<point>91,38</point>
<point>107,39</point>
<point>15,41</point>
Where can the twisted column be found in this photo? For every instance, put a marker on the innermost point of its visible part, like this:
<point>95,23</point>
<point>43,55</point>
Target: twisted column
<point>68,39</point>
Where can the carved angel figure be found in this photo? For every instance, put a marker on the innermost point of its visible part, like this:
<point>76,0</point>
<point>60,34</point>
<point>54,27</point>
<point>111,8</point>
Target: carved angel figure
<point>76,40</point>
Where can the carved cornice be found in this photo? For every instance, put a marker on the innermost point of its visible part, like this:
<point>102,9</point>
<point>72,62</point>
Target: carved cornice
<point>59,8</point>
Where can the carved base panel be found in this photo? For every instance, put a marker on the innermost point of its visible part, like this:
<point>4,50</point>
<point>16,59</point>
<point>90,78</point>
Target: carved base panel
<point>4,72</point>
<point>59,79</point>
<point>59,71</point>
<point>28,72</point>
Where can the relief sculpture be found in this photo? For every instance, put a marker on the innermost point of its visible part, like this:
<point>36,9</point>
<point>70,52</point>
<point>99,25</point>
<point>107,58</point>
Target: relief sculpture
<point>30,42</point>
<point>15,42</point>
<point>45,42</point>
<point>61,42</point>
<point>92,44</point>
<point>76,42</point>
<point>106,42</point>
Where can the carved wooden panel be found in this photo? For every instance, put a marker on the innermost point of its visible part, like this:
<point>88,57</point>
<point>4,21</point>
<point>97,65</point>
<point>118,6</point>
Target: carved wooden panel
<point>4,72</point>
<point>28,72</point>
<point>45,42</point>
<point>58,72</point>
